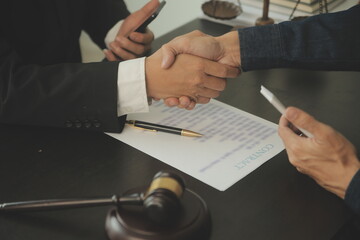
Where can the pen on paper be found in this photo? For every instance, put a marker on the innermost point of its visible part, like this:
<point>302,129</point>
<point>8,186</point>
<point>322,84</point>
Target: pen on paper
<point>279,106</point>
<point>161,128</point>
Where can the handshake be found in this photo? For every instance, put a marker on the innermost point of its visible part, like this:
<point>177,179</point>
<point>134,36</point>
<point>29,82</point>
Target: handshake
<point>189,69</point>
<point>192,68</point>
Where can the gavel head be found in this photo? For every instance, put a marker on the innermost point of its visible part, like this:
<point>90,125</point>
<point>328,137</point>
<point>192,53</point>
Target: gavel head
<point>162,199</point>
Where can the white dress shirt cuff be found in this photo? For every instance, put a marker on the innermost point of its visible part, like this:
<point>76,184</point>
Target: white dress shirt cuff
<point>132,96</point>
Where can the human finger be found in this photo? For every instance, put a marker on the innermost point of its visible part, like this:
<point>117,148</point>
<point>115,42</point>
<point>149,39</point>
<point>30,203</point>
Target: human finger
<point>220,70</point>
<point>109,55</point>
<point>177,46</point>
<point>285,122</point>
<point>207,93</point>
<point>143,38</point>
<point>130,46</point>
<point>304,121</point>
<point>171,102</point>
<point>169,55</point>
<point>215,83</point>
<point>285,132</point>
<point>120,52</point>
<point>191,105</point>
<point>203,100</point>
<point>300,170</point>
<point>294,143</point>
<point>184,101</point>
<point>181,102</point>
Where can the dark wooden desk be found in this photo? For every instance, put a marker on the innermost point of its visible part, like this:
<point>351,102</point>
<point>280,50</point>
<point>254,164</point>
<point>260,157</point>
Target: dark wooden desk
<point>273,202</point>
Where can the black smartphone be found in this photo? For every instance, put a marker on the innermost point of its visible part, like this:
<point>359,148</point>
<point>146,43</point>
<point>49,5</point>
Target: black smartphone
<point>143,26</point>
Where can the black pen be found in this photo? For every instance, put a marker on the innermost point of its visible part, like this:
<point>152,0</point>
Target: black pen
<point>161,128</point>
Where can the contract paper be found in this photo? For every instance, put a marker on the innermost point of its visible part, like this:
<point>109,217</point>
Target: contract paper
<point>234,142</point>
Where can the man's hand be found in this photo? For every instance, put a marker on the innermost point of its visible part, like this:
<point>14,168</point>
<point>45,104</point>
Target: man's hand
<point>329,158</point>
<point>198,78</point>
<point>224,49</point>
<point>129,44</point>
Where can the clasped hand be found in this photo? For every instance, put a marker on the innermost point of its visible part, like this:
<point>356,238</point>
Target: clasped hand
<point>196,75</point>
<point>197,78</point>
<point>224,49</point>
<point>194,68</point>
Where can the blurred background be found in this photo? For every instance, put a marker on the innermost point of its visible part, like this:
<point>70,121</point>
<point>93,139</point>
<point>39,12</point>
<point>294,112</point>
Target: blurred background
<point>178,12</point>
<point>174,14</point>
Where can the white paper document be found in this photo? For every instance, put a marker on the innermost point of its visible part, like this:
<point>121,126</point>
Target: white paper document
<point>234,142</point>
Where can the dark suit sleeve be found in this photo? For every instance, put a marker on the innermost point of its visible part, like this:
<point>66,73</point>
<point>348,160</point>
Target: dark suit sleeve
<point>101,16</point>
<point>71,95</point>
<point>322,42</point>
<point>352,196</point>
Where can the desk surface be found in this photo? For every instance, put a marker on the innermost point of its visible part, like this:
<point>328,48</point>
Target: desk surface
<point>273,202</point>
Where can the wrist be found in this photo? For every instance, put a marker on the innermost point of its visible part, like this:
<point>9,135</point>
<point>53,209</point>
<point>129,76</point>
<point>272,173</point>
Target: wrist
<point>230,44</point>
<point>350,171</point>
<point>148,76</point>
<point>153,76</point>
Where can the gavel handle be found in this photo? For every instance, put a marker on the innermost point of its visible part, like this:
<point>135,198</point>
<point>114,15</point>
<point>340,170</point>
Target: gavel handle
<point>266,9</point>
<point>54,204</point>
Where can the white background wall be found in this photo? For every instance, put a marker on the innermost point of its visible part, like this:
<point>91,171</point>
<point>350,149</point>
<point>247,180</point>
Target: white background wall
<point>174,14</point>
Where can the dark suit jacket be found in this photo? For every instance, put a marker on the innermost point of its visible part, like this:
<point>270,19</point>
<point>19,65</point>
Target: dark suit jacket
<point>42,81</point>
<point>322,42</point>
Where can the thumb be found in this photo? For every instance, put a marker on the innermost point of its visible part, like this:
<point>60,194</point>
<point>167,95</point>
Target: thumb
<point>302,120</point>
<point>169,54</point>
<point>179,45</point>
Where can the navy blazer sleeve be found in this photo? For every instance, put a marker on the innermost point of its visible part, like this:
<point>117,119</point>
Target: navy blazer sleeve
<point>352,196</point>
<point>322,42</point>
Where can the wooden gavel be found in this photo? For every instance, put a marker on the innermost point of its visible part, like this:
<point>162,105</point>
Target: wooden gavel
<point>161,201</point>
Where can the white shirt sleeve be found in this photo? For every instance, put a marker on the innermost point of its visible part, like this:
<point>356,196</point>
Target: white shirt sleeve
<point>132,96</point>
